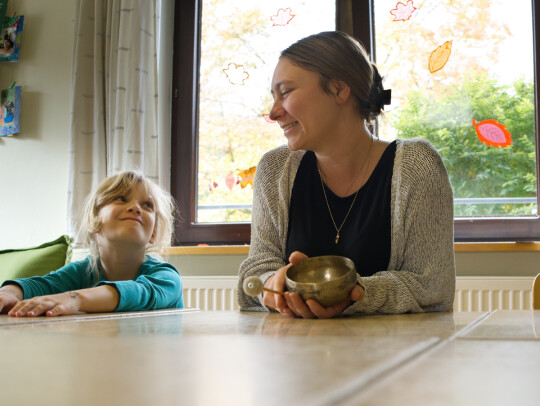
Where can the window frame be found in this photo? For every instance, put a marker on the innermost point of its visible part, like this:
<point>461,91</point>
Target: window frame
<point>354,17</point>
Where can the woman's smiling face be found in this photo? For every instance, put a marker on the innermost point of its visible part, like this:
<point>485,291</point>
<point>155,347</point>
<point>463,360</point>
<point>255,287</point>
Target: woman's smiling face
<point>304,111</point>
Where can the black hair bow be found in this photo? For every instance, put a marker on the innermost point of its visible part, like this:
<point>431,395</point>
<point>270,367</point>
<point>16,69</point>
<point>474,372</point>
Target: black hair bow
<point>385,98</point>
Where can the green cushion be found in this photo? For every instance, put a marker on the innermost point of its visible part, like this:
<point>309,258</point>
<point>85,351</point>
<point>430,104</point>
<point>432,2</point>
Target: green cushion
<point>26,262</point>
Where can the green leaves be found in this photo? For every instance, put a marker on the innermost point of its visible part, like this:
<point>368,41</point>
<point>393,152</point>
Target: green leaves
<point>475,169</point>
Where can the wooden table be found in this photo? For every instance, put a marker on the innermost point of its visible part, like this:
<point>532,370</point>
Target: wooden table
<point>495,361</point>
<point>221,358</point>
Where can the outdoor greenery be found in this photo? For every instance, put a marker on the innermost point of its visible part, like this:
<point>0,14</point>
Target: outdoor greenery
<point>475,169</point>
<point>440,106</point>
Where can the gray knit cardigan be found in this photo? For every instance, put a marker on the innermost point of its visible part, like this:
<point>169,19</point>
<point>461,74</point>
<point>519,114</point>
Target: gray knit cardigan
<point>420,276</point>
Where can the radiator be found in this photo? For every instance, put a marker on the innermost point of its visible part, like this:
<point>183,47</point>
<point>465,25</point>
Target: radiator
<point>210,292</point>
<point>493,293</point>
<point>472,293</point>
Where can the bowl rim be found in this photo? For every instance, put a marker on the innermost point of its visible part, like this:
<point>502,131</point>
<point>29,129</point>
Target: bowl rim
<point>345,275</point>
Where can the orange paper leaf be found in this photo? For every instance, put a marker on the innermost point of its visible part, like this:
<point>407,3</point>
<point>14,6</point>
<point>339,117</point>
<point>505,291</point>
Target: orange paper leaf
<point>493,133</point>
<point>439,57</point>
<point>246,176</point>
<point>403,12</point>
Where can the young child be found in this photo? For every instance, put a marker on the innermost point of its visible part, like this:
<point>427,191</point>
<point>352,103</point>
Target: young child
<point>126,218</point>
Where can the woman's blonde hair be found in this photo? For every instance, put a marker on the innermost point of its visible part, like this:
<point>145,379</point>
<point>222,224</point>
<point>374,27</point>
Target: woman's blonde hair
<point>122,183</point>
<point>335,55</point>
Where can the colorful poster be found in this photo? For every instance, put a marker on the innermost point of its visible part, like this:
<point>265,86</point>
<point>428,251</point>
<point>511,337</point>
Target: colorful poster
<point>11,37</point>
<point>10,110</point>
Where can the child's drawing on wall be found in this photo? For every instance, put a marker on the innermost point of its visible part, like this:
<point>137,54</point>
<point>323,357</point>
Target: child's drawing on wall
<point>10,39</point>
<point>10,107</point>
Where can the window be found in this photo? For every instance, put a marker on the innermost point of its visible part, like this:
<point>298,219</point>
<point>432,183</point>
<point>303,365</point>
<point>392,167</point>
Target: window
<point>488,74</point>
<point>235,47</point>
<point>465,82</point>
<point>239,48</point>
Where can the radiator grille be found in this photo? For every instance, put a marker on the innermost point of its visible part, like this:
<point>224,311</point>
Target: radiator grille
<point>210,293</point>
<point>472,293</point>
<point>489,293</point>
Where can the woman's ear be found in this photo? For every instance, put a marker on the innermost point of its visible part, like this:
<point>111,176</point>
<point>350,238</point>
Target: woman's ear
<point>340,90</point>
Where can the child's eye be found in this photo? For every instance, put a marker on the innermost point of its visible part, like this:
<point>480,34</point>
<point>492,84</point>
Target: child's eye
<point>149,205</point>
<point>120,198</point>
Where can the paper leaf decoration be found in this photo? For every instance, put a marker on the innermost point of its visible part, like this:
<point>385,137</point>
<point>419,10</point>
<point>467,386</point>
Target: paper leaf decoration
<point>246,177</point>
<point>403,12</point>
<point>236,74</point>
<point>439,57</point>
<point>493,133</point>
<point>230,180</point>
<point>267,118</point>
<point>283,17</point>
<point>212,186</point>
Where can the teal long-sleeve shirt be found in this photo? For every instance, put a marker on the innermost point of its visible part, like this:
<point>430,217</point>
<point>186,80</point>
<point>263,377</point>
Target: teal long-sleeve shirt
<point>157,286</point>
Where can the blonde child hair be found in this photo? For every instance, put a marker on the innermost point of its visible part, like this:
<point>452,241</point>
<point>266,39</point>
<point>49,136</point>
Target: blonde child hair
<point>119,184</point>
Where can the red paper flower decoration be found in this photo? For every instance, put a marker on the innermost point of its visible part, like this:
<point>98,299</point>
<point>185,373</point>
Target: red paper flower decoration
<point>403,12</point>
<point>283,17</point>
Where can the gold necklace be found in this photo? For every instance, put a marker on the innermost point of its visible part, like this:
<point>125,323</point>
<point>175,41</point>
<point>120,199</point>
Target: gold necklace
<point>366,164</point>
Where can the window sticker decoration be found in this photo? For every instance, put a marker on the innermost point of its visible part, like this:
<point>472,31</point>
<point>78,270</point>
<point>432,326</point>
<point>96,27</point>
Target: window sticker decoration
<point>11,37</point>
<point>230,180</point>
<point>243,178</point>
<point>246,177</point>
<point>268,119</point>
<point>439,57</point>
<point>493,133</point>
<point>283,17</point>
<point>10,110</point>
<point>212,186</point>
<point>403,12</point>
<point>236,74</point>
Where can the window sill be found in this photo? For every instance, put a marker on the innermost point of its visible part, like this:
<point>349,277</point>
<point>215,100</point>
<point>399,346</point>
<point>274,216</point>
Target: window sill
<point>208,250</point>
<point>497,246</point>
<point>458,247</point>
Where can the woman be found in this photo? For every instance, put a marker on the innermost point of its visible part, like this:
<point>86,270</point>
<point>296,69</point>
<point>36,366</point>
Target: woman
<point>335,189</point>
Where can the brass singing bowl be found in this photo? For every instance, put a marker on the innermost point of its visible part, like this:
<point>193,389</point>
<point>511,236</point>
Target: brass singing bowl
<point>327,279</point>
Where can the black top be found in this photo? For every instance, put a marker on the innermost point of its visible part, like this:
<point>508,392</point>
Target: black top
<point>365,236</point>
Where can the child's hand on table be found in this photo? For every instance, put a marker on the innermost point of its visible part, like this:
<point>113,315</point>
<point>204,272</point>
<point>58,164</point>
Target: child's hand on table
<point>60,304</point>
<point>10,295</point>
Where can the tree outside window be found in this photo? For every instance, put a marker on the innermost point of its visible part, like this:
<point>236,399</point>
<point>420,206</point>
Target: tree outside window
<point>481,55</point>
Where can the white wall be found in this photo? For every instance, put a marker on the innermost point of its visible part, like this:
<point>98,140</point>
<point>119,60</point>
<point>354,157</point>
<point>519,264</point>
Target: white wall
<point>33,164</point>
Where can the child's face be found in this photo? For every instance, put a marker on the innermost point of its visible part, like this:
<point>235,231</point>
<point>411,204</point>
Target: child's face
<point>128,218</point>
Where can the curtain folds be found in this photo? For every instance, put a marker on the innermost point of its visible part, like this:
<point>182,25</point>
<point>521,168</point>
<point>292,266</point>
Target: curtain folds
<point>120,96</point>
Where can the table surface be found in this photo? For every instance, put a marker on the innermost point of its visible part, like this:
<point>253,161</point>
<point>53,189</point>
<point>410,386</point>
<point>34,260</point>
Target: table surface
<point>219,358</point>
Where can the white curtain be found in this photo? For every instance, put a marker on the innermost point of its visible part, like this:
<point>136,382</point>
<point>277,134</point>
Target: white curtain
<point>120,96</point>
